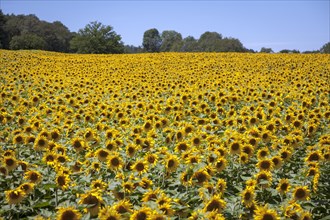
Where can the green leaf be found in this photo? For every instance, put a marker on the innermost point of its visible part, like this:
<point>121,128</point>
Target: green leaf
<point>42,205</point>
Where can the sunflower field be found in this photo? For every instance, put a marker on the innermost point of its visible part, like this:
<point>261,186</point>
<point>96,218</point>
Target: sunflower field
<point>164,136</point>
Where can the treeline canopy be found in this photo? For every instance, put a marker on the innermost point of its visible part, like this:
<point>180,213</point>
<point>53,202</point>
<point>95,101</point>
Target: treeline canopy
<point>28,32</point>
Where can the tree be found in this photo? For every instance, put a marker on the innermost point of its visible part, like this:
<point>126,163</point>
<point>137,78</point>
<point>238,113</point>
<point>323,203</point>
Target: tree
<point>27,41</point>
<point>97,38</point>
<point>325,48</point>
<point>230,45</point>
<point>133,49</point>
<point>209,41</point>
<point>3,34</point>
<point>266,50</point>
<point>189,44</point>
<point>151,40</point>
<point>171,41</point>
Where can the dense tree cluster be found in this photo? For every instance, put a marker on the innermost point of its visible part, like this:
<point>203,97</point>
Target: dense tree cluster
<point>28,32</point>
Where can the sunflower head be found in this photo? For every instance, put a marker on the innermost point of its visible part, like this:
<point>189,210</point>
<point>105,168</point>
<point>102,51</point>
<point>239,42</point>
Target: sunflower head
<point>68,213</point>
<point>14,196</point>
<point>215,204</point>
<point>264,213</point>
<point>248,197</point>
<point>301,193</point>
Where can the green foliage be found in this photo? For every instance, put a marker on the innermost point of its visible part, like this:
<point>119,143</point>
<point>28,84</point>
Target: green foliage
<point>27,41</point>
<point>97,38</point>
<point>171,41</point>
<point>266,50</point>
<point>325,48</point>
<point>55,35</point>
<point>210,41</point>
<point>289,51</point>
<point>2,31</point>
<point>151,40</point>
<point>189,44</point>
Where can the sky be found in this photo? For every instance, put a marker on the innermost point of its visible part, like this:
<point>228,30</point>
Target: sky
<point>278,24</point>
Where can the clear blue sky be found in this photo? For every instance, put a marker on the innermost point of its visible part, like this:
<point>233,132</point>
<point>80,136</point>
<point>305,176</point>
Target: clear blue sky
<point>302,25</point>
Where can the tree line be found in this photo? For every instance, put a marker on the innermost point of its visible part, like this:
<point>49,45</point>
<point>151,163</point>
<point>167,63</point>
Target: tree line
<point>29,32</point>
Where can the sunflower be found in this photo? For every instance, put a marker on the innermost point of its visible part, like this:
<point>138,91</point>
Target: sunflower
<point>171,163</point>
<point>145,183</point>
<point>264,213</point>
<point>3,170</point>
<point>248,149</point>
<point>62,158</point>
<point>55,135</point>
<point>49,158</point>
<point>248,196</point>
<point>215,204</point>
<point>305,215</point>
<point>33,176</point>
<point>128,186</point>
<point>314,156</point>
<point>93,200</point>
<point>277,161</point>
<point>157,216</point>
<point>301,193</point>
<point>95,166</point>
<point>235,147</point>
<point>62,181</point>
<point>196,141</point>
<point>143,213</point>
<point>14,196</point>
<point>68,213</point>
<point>123,206</point>
<point>221,186</point>
<point>111,145</point>
<point>18,139</point>
<point>26,187</point>
<point>262,153</point>
<point>265,164</point>
<point>102,154</point>
<point>166,209</point>
<point>244,158</point>
<point>115,162</point>
<point>200,177</point>
<point>220,164</point>
<point>140,166</point>
<point>131,149</point>
<point>264,178</point>
<point>89,134</point>
<point>193,158</point>
<point>283,186</point>
<point>109,213</point>
<point>111,133</point>
<point>181,146</point>
<point>285,154</point>
<point>41,143</point>
<point>78,144</point>
<point>10,163</point>
<point>76,167</point>
<point>151,195</point>
<point>291,211</point>
<point>98,184</point>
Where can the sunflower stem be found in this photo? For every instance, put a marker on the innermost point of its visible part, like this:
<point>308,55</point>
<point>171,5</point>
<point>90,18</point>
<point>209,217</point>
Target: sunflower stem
<point>56,197</point>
